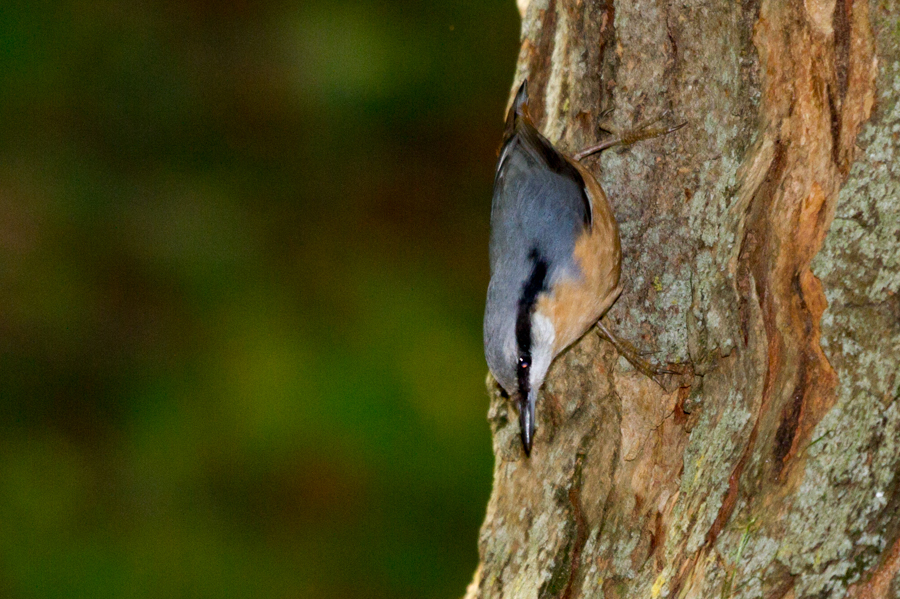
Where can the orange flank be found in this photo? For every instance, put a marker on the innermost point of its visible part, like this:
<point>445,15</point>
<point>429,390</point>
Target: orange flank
<point>575,305</point>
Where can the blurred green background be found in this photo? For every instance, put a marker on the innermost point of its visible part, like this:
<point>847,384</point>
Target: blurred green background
<point>243,258</point>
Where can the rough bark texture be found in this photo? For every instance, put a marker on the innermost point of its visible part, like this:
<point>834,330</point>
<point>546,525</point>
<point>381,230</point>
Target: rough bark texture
<point>762,252</point>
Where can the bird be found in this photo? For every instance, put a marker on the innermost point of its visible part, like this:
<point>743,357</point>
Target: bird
<point>555,258</point>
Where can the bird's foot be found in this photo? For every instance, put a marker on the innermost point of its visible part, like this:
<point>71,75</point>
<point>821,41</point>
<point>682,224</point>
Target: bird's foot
<point>635,357</point>
<point>629,137</point>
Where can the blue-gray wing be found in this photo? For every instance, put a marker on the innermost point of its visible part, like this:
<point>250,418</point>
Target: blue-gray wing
<point>539,204</point>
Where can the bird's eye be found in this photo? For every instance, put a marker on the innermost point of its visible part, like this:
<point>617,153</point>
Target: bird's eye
<point>524,363</point>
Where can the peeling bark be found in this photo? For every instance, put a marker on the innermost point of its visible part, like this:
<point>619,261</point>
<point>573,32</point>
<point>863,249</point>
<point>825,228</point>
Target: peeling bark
<point>761,252</point>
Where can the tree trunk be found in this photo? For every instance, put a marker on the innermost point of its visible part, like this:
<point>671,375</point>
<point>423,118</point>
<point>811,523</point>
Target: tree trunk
<point>762,253</point>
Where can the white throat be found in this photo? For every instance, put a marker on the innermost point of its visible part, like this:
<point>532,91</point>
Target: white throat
<point>543,336</point>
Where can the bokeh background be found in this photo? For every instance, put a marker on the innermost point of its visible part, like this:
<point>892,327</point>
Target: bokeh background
<point>243,257</point>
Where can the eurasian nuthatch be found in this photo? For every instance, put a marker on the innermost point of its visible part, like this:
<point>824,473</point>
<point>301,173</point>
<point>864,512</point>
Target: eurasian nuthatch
<point>555,259</point>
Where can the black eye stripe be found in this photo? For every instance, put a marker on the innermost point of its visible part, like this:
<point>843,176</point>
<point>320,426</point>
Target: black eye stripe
<point>527,301</point>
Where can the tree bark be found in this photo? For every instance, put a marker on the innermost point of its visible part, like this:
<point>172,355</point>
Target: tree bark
<point>761,253</point>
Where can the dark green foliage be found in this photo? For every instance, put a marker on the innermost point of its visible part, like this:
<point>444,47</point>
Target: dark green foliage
<point>243,255</point>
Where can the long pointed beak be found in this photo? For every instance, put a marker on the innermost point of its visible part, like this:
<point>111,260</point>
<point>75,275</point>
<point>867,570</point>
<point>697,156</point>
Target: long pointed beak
<point>526,420</point>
